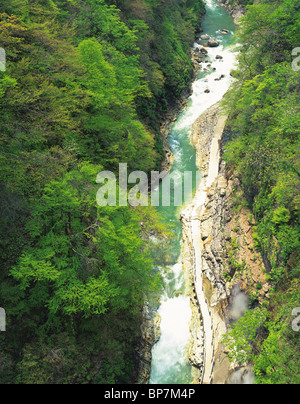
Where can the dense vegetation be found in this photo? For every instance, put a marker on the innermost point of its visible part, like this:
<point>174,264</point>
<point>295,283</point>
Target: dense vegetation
<point>264,152</point>
<point>86,86</point>
<point>239,2</point>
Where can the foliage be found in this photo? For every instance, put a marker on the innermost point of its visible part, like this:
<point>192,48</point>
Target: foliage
<point>264,152</point>
<point>241,341</point>
<point>85,87</point>
<point>278,361</point>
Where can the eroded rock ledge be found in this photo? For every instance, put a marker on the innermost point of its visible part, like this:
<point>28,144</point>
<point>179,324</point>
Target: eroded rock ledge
<point>226,246</point>
<point>206,134</point>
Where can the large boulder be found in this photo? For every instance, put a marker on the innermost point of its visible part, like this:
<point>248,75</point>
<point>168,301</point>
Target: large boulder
<point>204,37</point>
<point>198,58</point>
<point>203,51</point>
<point>213,43</point>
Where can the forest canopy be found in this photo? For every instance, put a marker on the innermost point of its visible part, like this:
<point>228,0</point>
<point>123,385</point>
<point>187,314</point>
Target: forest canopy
<point>86,85</point>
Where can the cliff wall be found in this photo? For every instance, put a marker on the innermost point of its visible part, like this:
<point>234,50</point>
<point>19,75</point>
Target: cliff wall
<point>219,248</point>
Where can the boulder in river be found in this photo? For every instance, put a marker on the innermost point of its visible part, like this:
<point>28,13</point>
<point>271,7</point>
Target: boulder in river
<point>213,43</point>
<point>225,31</point>
<point>198,58</point>
<point>219,57</point>
<point>204,37</point>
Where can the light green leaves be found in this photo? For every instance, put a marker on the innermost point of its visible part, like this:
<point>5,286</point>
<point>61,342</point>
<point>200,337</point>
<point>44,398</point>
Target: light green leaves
<point>33,270</point>
<point>241,339</point>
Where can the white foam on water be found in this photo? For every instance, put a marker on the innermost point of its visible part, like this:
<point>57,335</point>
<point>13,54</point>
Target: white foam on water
<point>170,351</point>
<point>200,101</point>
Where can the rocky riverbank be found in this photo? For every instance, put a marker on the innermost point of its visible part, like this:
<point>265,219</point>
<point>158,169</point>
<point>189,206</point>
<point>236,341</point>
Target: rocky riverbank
<point>208,285</point>
<point>234,8</point>
<point>150,334</point>
<point>218,228</point>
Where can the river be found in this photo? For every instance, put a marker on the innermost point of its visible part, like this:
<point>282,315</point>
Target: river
<point>169,355</point>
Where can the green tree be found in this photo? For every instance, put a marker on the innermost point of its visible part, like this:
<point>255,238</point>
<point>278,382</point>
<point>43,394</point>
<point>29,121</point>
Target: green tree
<point>241,340</point>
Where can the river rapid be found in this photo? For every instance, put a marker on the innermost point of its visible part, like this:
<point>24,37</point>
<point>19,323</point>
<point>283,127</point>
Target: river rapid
<point>170,363</point>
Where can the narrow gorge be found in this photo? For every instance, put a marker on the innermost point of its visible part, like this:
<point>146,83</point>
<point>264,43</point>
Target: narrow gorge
<point>190,322</point>
<point>150,182</point>
<point>196,308</point>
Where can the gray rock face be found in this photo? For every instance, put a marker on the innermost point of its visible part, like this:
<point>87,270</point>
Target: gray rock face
<point>150,331</point>
<point>210,243</point>
<point>211,224</point>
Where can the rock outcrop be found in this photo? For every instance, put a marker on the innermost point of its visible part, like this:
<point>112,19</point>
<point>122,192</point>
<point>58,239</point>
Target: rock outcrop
<point>150,334</point>
<point>226,246</point>
<point>208,285</point>
<point>235,9</point>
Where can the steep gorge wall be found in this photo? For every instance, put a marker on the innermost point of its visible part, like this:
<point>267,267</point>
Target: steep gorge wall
<point>226,246</point>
